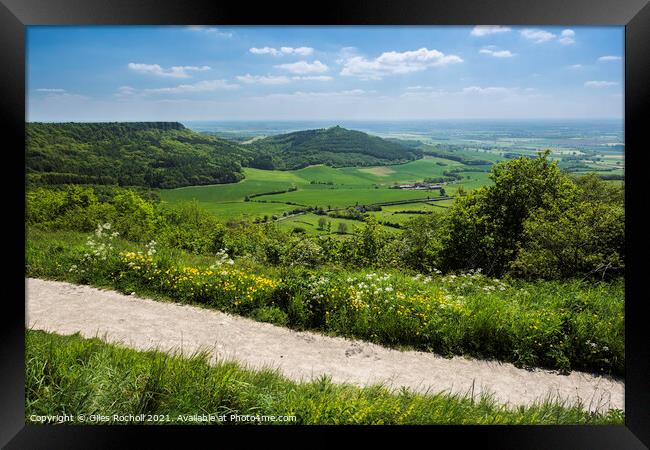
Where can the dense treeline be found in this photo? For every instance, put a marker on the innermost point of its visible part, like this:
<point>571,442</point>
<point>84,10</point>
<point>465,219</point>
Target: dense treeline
<point>335,146</point>
<point>152,154</point>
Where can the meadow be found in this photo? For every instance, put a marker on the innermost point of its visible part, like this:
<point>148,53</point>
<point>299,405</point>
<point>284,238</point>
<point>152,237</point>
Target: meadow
<point>321,186</point>
<point>324,187</point>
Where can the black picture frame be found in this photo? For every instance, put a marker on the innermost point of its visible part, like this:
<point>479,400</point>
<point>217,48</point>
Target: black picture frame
<point>633,14</point>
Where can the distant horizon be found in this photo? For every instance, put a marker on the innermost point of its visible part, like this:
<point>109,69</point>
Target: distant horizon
<point>470,119</point>
<point>323,73</point>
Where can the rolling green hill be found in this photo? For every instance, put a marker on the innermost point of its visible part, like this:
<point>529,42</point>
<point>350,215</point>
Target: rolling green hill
<point>152,154</point>
<point>335,146</point>
<point>167,155</point>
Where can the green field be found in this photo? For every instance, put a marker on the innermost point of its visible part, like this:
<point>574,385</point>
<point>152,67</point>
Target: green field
<point>322,186</point>
<point>309,223</point>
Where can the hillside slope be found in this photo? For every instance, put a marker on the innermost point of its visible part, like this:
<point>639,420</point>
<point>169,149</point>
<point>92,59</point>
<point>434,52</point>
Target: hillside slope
<point>152,154</point>
<point>335,146</point>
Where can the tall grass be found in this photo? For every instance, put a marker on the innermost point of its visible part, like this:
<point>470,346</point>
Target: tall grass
<point>84,377</point>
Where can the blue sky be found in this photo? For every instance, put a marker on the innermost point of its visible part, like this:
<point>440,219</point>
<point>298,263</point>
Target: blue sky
<point>321,73</point>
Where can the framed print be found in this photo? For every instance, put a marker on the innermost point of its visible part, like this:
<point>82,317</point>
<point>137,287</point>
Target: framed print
<point>381,218</point>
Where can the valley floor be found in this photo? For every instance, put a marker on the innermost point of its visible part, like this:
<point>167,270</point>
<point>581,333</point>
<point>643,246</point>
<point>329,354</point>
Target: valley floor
<point>145,324</point>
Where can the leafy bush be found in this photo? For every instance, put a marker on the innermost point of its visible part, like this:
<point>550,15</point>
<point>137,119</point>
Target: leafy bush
<point>586,239</point>
<point>303,252</point>
<point>485,227</point>
<point>189,228</point>
<point>135,217</point>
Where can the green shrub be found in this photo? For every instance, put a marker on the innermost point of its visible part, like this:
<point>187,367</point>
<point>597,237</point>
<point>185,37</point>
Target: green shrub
<point>485,227</point>
<point>587,239</point>
<point>303,252</point>
<point>189,228</point>
<point>135,217</point>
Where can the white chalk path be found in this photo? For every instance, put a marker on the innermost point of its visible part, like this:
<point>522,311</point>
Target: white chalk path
<point>146,324</point>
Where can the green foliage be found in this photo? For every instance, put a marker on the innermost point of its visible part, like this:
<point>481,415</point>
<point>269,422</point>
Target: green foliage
<point>368,242</point>
<point>271,314</point>
<point>134,217</point>
<point>587,239</point>
<point>189,228</point>
<point>335,146</point>
<point>153,154</point>
<point>534,221</point>
<point>485,227</point>
<point>303,252</point>
<point>77,208</point>
<point>76,376</point>
<point>74,207</point>
<point>592,188</point>
<point>421,243</point>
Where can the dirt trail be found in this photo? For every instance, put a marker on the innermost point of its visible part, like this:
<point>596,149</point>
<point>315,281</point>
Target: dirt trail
<point>144,324</point>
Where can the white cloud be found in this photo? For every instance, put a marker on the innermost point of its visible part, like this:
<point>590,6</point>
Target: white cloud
<point>210,31</point>
<point>261,79</point>
<point>201,86</point>
<point>600,84</point>
<point>300,95</point>
<point>389,63</point>
<point>485,30</point>
<point>173,72</point>
<point>304,67</point>
<point>124,92</point>
<point>50,90</point>
<point>62,96</point>
<point>313,78</point>
<point>537,36</point>
<point>487,90</point>
<point>496,53</point>
<point>264,51</point>
<point>566,37</point>
<point>302,51</point>
<point>473,93</point>
<point>575,66</point>
<point>609,58</point>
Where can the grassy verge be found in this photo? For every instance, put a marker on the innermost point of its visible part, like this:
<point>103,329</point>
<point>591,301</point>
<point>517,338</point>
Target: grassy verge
<point>562,325</point>
<point>75,376</point>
